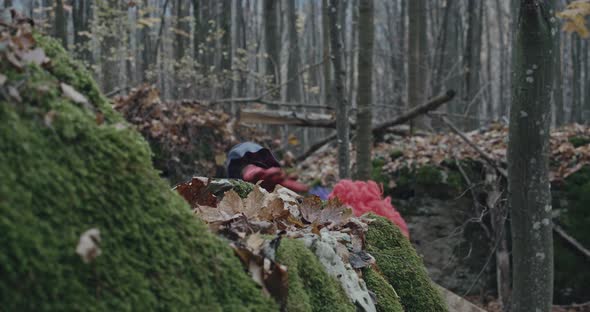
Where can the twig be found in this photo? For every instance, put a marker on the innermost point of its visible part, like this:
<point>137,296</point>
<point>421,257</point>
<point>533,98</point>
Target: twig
<point>571,241</point>
<point>483,154</point>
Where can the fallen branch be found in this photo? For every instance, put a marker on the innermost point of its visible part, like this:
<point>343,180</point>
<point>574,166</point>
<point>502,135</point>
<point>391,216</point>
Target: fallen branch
<point>483,154</point>
<point>279,117</point>
<point>258,100</point>
<point>416,111</point>
<point>382,127</point>
<point>571,241</point>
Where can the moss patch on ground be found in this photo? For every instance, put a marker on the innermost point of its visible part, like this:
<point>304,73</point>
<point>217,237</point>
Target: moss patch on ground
<point>387,298</point>
<point>62,174</point>
<point>402,267</point>
<point>310,287</point>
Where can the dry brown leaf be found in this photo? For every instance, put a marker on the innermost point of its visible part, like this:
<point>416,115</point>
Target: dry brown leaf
<point>195,192</point>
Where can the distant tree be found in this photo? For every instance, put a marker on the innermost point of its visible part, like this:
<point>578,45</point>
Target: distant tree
<point>272,39</point>
<point>61,23</point>
<point>529,196</point>
<point>417,87</point>
<point>365,90</point>
<point>342,123</point>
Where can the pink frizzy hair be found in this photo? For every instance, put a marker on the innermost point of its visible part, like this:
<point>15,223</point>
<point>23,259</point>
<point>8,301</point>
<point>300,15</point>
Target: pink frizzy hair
<point>365,197</point>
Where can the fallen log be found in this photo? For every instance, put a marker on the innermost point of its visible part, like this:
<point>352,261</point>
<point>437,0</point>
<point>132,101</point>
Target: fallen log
<point>281,117</point>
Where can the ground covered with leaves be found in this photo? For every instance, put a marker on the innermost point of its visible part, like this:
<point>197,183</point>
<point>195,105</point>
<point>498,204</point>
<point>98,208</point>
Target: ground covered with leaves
<point>570,146</point>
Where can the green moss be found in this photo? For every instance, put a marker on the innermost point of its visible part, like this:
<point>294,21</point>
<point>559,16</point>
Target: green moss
<point>572,280</point>
<point>578,141</point>
<point>241,187</point>
<point>310,287</point>
<point>395,154</point>
<point>429,175</point>
<point>377,173</point>
<point>64,176</point>
<point>387,298</point>
<point>402,267</point>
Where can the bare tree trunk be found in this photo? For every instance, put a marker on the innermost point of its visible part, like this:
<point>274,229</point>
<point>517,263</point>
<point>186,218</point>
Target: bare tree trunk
<point>328,87</point>
<point>417,92</point>
<point>365,91</point>
<point>272,38</point>
<point>472,63</point>
<point>293,86</point>
<point>61,23</point>
<point>81,16</point>
<point>342,123</point>
<point>110,44</point>
<point>529,195</point>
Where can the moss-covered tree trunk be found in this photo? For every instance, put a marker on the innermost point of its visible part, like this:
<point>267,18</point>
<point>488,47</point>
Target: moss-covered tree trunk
<point>528,162</point>
<point>365,92</point>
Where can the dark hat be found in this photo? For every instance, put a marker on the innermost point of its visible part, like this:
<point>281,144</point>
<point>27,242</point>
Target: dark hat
<point>248,153</point>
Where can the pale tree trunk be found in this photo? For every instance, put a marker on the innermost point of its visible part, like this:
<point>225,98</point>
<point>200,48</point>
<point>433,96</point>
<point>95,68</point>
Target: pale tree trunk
<point>417,78</point>
<point>110,44</point>
<point>272,39</point>
<point>364,93</point>
<point>181,45</point>
<point>327,86</point>
<point>293,86</point>
<point>472,95</point>
<point>342,124</point>
<point>529,195</point>
<point>81,20</point>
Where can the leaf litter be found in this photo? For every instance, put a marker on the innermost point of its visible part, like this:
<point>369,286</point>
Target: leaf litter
<point>256,224</point>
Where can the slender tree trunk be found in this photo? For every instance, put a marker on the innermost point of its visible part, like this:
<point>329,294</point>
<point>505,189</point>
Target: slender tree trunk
<point>294,84</point>
<point>327,87</point>
<point>147,48</point>
<point>272,39</point>
<point>342,124</point>
<point>529,195</point>
<point>365,92</point>
<point>110,44</point>
<point>81,16</point>
<point>472,96</point>
<point>61,23</point>
<point>417,92</point>
<point>225,53</point>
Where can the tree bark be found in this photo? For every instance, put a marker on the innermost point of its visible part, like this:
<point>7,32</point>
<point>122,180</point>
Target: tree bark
<point>529,195</point>
<point>328,87</point>
<point>293,85</point>
<point>343,128</point>
<point>417,32</point>
<point>81,20</point>
<point>61,23</point>
<point>272,38</point>
<point>365,91</point>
